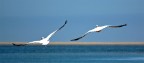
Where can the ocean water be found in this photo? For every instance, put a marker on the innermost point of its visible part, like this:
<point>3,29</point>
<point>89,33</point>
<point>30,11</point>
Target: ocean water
<point>72,54</point>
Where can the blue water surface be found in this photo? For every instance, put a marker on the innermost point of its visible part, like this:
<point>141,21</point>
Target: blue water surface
<point>72,54</point>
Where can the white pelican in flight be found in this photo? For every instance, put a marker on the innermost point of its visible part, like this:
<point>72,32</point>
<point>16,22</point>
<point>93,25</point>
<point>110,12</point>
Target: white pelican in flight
<point>43,41</point>
<point>99,29</point>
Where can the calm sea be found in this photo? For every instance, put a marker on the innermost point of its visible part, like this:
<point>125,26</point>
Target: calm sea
<point>72,54</point>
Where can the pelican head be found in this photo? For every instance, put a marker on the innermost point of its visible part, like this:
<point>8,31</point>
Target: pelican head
<point>96,25</point>
<point>42,37</point>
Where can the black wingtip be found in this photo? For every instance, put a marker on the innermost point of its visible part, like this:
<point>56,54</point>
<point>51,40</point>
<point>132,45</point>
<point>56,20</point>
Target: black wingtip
<point>77,38</point>
<point>63,25</point>
<point>125,24</point>
<point>18,44</point>
<point>66,21</point>
<point>13,44</point>
<point>74,40</point>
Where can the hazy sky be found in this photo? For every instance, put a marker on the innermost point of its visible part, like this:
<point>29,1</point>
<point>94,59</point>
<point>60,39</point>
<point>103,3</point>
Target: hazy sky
<point>28,20</point>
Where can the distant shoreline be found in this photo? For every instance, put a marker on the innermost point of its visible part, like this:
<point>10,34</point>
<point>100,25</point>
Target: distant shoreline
<point>80,43</point>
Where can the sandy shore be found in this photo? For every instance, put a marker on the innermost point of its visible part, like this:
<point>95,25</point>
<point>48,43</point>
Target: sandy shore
<point>81,43</point>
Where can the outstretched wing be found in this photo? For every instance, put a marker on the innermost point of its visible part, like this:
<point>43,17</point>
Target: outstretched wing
<point>49,36</point>
<point>79,37</point>
<point>118,26</point>
<point>18,44</point>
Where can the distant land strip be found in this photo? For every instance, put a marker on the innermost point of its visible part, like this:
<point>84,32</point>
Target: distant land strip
<point>80,43</point>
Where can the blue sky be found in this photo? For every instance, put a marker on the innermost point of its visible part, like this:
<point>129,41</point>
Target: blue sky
<point>28,20</point>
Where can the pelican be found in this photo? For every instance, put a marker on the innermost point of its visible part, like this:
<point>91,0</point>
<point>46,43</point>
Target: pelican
<point>45,41</point>
<point>99,29</point>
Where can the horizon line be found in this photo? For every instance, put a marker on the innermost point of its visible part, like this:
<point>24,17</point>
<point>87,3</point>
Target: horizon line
<point>81,43</point>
